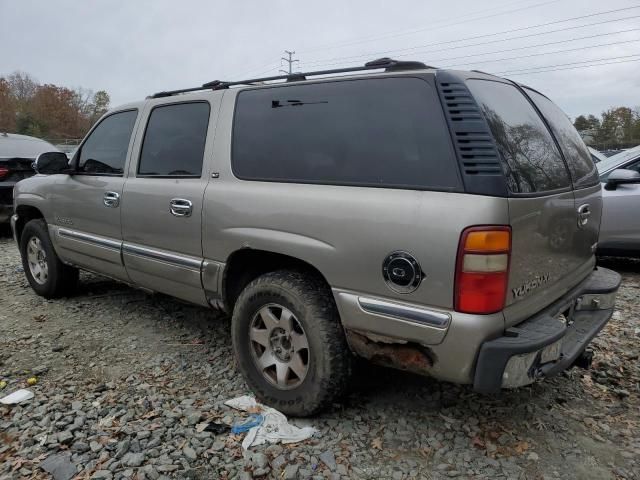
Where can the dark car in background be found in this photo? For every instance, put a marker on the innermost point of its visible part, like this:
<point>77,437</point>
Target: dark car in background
<point>17,153</point>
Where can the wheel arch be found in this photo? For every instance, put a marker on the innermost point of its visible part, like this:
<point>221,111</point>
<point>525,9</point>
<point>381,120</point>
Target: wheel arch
<point>246,264</point>
<point>26,213</point>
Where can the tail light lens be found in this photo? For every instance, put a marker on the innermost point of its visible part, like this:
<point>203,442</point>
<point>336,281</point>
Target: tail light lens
<point>482,269</point>
<point>4,171</point>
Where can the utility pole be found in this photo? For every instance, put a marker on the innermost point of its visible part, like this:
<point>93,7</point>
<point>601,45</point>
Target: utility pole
<point>290,61</point>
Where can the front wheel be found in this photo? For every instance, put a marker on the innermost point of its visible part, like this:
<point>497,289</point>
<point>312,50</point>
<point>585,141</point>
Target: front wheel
<point>47,275</point>
<point>289,344</point>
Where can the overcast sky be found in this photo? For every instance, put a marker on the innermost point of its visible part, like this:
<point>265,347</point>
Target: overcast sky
<point>134,48</point>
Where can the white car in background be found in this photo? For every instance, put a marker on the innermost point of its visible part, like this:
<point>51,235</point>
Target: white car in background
<point>620,225</point>
<point>596,156</point>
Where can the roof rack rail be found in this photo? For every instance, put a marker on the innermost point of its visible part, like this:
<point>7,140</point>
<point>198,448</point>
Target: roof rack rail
<point>385,63</point>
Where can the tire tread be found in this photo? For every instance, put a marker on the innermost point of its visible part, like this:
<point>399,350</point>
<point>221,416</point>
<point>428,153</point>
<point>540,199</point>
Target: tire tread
<point>314,293</point>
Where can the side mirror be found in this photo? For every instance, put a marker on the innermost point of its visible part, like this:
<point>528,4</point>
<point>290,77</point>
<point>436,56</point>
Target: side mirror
<point>50,163</point>
<point>621,176</point>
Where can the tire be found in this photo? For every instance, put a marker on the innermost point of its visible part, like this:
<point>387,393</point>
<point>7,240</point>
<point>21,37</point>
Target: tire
<point>305,389</point>
<point>47,275</point>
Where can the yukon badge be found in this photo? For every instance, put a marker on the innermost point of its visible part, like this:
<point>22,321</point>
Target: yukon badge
<point>530,285</point>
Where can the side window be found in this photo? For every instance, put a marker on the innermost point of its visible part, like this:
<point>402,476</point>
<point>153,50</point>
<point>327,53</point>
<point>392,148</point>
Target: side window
<point>376,132</point>
<point>105,150</point>
<point>174,140</point>
<point>531,160</point>
<point>583,169</point>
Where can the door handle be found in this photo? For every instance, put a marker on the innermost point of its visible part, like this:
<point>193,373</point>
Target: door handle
<point>111,199</point>
<point>181,207</point>
<point>584,212</point>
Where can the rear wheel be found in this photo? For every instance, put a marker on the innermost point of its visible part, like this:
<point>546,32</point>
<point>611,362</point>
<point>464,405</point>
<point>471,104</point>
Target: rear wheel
<point>46,274</point>
<point>289,343</point>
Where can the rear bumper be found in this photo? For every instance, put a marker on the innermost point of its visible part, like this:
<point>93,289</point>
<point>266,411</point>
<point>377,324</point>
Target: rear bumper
<point>549,342</point>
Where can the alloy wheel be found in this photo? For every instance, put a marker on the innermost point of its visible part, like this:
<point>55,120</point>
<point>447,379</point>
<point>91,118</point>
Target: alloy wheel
<point>37,259</point>
<point>279,346</point>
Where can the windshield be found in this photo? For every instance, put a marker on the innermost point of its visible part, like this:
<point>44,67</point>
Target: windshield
<point>618,159</point>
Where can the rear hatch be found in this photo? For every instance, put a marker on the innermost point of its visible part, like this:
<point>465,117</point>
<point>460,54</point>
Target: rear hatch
<point>554,201</point>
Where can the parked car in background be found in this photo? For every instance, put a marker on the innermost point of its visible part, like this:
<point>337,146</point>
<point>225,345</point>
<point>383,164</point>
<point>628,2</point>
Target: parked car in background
<point>596,156</point>
<point>17,153</point>
<point>620,228</point>
<point>405,215</point>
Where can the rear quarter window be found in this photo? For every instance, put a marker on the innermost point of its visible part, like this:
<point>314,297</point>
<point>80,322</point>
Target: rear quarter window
<point>387,132</point>
<point>531,160</point>
<point>582,167</point>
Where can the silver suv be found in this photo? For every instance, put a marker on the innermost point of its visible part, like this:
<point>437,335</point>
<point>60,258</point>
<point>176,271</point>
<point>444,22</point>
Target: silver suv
<point>441,222</point>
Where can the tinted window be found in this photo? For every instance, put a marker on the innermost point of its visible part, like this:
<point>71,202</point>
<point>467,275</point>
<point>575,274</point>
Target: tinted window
<point>378,132</point>
<point>105,151</point>
<point>531,159</point>
<point>174,140</point>
<point>581,165</point>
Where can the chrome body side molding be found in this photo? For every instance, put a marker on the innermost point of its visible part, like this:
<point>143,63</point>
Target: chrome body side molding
<point>404,312</point>
<point>183,261</point>
<point>380,317</point>
<point>88,238</point>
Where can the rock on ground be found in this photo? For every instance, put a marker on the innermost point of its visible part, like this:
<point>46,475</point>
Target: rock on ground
<point>125,378</point>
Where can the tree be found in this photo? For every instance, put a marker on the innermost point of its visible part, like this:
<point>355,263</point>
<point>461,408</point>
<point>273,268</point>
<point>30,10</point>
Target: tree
<point>48,110</point>
<point>581,123</point>
<point>594,122</point>
<point>7,108</point>
<point>617,126</point>
<point>101,102</point>
<point>635,130</point>
<point>55,111</point>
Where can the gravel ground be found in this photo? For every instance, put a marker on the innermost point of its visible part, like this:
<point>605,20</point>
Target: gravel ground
<point>124,378</point>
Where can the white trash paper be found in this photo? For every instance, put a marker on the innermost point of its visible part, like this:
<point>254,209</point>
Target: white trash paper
<point>17,397</point>
<point>275,427</point>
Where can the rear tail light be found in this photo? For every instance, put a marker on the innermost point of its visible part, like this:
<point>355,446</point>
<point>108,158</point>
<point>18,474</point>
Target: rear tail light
<point>4,171</point>
<point>482,269</point>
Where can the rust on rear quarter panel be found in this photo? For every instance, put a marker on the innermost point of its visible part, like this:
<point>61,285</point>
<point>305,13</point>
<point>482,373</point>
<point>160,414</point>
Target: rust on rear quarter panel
<point>404,356</point>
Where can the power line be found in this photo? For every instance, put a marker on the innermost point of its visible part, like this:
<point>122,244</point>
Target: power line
<point>247,72</point>
<point>273,67</point>
<point>526,47</point>
<point>574,68</point>
<point>544,53</point>
<point>525,70</point>
<point>433,26</point>
<point>546,44</point>
<point>373,54</point>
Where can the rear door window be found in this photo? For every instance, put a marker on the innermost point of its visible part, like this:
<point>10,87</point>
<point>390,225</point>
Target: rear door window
<point>531,159</point>
<point>386,132</point>
<point>583,169</point>
<point>174,140</point>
